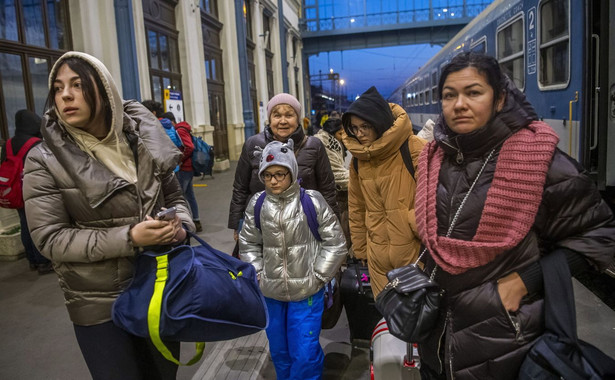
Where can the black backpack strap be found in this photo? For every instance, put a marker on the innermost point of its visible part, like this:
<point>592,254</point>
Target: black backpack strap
<point>405,155</point>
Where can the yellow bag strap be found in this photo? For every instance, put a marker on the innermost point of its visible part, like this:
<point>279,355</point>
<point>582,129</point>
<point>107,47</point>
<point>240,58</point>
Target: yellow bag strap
<point>153,314</point>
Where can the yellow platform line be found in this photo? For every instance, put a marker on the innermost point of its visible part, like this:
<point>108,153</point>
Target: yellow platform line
<point>199,185</point>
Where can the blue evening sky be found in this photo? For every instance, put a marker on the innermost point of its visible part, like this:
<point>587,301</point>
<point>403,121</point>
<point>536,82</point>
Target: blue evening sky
<point>386,68</point>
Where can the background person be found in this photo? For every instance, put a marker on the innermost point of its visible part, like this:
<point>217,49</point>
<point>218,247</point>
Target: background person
<point>185,174</point>
<point>381,189</point>
<point>331,137</point>
<point>27,126</point>
<point>104,168</point>
<point>519,198</point>
<point>291,264</point>
<point>283,113</point>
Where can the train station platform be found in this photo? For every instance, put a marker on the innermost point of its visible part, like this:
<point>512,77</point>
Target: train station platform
<point>37,339</point>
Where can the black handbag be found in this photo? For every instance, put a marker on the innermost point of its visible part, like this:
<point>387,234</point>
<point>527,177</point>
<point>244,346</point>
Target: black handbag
<point>559,353</point>
<point>410,303</point>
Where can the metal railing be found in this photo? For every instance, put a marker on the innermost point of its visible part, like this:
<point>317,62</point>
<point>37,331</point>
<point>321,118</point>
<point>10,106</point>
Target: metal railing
<point>363,20</point>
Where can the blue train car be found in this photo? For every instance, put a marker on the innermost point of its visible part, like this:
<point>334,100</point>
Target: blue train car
<point>561,54</point>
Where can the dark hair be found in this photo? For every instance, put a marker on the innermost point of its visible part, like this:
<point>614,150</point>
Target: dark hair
<point>168,115</point>
<point>484,64</point>
<point>90,82</point>
<point>154,107</point>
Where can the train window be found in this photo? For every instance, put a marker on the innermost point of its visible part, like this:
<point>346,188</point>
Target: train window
<point>427,88</point>
<point>511,50</point>
<point>434,86</point>
<point>421,92</point>
<point>554,44</point>
<point>403,98</point>
<point>480,45</point>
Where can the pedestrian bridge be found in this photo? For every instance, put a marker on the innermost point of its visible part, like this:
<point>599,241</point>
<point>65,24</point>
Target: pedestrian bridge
<point>383,23</point>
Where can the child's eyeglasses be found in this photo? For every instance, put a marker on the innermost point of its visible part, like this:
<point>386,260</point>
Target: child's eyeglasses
<point>364,128</point>
<point>278,176</point>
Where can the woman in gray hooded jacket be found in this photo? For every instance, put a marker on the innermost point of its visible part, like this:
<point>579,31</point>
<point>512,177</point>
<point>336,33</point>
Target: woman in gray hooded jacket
<point>90,190</point>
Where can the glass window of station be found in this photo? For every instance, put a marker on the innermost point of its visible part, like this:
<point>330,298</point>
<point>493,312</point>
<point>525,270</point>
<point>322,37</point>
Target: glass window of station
<point>33,35</point>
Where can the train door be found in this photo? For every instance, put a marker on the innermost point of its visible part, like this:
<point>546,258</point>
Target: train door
<point>608,96</point>
<point>599,138</point>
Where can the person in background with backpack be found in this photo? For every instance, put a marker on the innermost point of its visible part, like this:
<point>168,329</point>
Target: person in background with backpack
<point>186,172</point>
<point>163,118</point>
<point>382,185</point>
<point>292,263</point>
<point>27,135</point>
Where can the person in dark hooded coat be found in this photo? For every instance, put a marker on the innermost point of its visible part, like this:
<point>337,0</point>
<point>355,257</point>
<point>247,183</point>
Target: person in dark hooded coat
<point>381,188</point>
<point>27,126</point>
<point>494,196</point>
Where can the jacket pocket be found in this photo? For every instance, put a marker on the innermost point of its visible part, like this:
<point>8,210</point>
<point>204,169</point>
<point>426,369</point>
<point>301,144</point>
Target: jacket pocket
<point>513,319</point>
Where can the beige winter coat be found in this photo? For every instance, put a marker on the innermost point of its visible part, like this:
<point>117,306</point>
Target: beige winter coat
<point>381,200</point>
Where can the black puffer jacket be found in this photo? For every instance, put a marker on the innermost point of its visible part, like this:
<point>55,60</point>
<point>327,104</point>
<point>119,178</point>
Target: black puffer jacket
<point>476,338</point>
<point>314,171</point>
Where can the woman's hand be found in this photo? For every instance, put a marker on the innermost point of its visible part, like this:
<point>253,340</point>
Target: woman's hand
<point>511,289</point>
<point>157,232</point>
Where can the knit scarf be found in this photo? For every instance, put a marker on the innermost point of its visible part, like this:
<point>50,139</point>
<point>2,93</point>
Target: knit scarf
<point>510,208</point>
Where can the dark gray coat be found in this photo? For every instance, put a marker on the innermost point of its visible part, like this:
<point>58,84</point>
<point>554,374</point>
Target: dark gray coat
<point>314,172</point>
<point>476,338</point>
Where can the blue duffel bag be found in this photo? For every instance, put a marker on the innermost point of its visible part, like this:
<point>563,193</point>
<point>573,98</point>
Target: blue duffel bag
<point>191,294</point>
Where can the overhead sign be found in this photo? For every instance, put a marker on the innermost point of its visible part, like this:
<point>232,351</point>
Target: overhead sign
<point>173,103</point>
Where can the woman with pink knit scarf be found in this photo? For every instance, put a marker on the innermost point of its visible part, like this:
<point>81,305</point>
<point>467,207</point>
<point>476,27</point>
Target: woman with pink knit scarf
<point>494,195</point>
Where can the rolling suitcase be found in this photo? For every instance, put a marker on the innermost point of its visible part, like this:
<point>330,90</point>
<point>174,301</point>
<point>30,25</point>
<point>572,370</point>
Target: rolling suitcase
<point>358,301</point>
<point>392,358</point>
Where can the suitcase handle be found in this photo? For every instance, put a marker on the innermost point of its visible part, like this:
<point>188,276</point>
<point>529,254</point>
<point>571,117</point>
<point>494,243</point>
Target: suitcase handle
<point>358,272</point>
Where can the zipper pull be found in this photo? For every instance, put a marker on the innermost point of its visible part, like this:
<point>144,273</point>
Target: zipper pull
<point>459,158</point>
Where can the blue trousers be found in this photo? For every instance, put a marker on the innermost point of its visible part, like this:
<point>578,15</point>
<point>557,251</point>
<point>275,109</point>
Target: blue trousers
<point>32,254</point>
<point>185,181</point>
<point>293,333</point>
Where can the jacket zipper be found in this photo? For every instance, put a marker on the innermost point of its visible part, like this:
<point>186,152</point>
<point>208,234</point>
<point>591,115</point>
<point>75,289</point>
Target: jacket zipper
<point>515,325</point>
<point>284,253</point>
<point>448,315</point>
<point>450,348</point>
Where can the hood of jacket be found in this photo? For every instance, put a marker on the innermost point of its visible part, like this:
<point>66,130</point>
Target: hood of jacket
<point>115,100</point>
<point>373,108</point>
<point>166,123</point>
<point>27,125</point>
<point>516,113</point>
<point>183,124</point>
<point>389,143</point>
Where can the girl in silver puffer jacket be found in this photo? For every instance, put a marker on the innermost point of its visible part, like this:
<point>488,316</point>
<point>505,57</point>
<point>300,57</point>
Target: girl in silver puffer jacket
<point>292,264</point>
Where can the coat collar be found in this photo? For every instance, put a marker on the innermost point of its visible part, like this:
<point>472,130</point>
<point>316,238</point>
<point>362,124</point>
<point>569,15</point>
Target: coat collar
<point>390,141</point>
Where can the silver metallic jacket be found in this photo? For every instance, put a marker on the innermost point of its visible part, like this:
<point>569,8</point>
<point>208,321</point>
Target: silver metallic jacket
<point>292,264</point>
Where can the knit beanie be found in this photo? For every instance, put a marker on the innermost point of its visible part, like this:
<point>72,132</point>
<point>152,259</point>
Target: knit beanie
<point>278,153</point>
<point>373,108</point>
<point>284,98</point>
<point>332,125</point>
